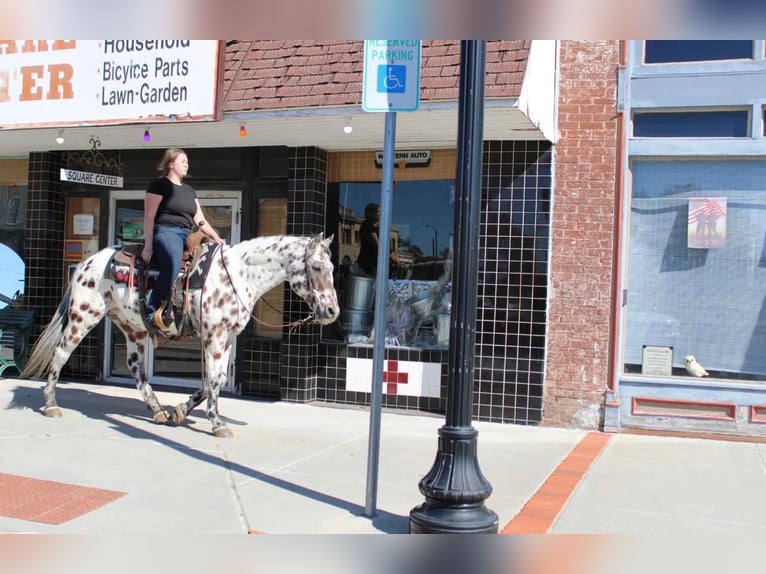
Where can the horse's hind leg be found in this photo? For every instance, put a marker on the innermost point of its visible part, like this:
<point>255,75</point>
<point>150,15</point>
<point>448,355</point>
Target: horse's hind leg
<point>80,322</point>
<point>136,353</point>
<point>51,408</point>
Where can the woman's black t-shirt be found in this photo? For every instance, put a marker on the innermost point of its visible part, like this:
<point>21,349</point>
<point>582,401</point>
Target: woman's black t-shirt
<point>177,206</point>
<point>368,252</point>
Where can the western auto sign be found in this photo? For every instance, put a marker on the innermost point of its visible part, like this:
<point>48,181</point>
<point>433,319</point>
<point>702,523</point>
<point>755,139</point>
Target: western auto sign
<point>418,157</point>
<point>60,82</point>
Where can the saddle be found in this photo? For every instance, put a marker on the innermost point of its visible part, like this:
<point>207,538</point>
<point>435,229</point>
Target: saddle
<point>171,319</point>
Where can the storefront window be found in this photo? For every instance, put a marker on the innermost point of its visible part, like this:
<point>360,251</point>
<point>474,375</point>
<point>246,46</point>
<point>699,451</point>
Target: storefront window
<point>687,124</point>
<point>661,51</point>
<point>697,268</point>
<point>418,296</point>
<point>13,218</point>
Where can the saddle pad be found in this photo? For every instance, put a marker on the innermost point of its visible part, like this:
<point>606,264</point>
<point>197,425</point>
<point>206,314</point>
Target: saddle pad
<point>202,267</point>
<point>120,273</point>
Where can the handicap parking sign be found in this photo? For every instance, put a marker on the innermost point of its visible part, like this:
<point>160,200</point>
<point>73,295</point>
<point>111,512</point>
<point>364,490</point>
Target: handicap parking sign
<point>391,81</point>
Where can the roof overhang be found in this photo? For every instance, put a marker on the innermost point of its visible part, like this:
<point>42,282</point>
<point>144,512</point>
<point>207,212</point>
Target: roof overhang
<point>433,125</point>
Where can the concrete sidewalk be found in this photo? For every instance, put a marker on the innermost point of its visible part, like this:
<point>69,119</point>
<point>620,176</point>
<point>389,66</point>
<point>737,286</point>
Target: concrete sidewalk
<point>302,469</point>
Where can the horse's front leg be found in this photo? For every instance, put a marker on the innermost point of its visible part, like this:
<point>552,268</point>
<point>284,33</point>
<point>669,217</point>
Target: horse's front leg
<point>182,410</point>
<point>216,374</point>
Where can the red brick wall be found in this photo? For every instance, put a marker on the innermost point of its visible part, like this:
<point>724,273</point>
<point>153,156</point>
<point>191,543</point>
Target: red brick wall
<point>583,229</point>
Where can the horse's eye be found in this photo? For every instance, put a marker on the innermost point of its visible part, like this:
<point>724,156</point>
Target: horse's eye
<point>316,267</point>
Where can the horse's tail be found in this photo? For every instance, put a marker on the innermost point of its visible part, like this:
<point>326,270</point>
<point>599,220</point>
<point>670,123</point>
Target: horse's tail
<point>43,350</point>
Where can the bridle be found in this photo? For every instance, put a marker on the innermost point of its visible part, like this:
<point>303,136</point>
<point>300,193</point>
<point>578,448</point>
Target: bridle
<point>311,298</point>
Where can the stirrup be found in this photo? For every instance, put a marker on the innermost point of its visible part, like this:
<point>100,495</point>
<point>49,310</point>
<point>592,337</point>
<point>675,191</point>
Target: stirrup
<point>158,324</point>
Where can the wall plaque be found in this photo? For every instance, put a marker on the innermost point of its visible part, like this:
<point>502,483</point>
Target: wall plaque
<point>657,361</point>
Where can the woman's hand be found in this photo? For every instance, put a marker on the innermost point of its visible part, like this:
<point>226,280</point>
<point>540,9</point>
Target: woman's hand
<point>147,253</point>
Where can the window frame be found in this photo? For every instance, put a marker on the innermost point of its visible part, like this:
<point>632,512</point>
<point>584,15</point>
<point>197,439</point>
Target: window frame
<point>637,112</point>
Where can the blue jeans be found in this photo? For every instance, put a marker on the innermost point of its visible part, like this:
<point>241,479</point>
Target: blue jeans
<point>169,243</point>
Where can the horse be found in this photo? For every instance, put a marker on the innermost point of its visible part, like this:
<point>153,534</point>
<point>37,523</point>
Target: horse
<point>218,311</point>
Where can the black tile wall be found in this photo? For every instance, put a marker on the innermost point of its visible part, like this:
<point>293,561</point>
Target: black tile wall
<point>306,196</point>
<point>44,278</point>
<point>260,371</point>
<point>511,304</point>
<point>513,277</point>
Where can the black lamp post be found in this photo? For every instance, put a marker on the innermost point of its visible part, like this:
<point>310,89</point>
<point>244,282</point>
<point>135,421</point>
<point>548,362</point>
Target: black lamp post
<point>433,240</point>
<point>455,488</point>
<point>434,244</point>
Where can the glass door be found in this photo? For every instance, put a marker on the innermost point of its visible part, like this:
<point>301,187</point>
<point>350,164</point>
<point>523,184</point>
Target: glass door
<point>179,363</point>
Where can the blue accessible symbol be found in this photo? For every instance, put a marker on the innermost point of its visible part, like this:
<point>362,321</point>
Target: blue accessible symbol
<point>392,79</point>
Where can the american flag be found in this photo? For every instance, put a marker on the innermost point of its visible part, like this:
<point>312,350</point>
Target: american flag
<point>708,205</point>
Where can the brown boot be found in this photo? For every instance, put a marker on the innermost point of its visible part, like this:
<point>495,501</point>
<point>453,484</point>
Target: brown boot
<point>166,329</point>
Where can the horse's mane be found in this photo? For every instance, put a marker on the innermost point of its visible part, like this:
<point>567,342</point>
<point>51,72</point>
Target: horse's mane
<point>260,249</point>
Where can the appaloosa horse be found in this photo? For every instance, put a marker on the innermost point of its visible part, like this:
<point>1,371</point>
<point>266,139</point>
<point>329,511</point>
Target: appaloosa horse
<point>238,276</point>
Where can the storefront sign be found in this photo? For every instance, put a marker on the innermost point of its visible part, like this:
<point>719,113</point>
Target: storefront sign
<point>91,178</point>
<point>57,82</point>
<point>419,158</point>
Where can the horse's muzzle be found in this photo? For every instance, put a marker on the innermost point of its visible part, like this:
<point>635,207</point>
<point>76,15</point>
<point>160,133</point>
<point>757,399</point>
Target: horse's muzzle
<point>327,315</point>
<point>326,309</point>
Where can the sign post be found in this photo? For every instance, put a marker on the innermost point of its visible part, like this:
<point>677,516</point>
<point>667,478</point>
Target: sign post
<point>391,83</point>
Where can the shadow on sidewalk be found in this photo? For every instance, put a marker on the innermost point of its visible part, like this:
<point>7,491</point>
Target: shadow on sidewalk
<point>98,407</point>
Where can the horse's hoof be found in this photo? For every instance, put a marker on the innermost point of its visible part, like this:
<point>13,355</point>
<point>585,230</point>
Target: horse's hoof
<point>161,417</point>
<point>178,415</point>
<point>53,412</point>
<point>223,432</point>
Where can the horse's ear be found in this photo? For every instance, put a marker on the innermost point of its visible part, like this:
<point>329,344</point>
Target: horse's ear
<point>315,241</point>
<point>328,241</point>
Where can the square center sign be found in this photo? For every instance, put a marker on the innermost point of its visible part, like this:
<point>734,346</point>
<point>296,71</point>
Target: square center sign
<point>391,80</point>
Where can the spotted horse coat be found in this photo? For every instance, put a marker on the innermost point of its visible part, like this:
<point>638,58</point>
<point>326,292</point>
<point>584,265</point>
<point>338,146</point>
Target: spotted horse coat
<point>239,275</point>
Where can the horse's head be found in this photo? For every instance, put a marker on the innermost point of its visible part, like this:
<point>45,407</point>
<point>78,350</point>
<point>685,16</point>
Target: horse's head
<point>320,291</point>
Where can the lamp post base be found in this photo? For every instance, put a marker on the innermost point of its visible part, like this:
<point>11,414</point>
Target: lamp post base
<point>454,489</point>
<point>431,517</point>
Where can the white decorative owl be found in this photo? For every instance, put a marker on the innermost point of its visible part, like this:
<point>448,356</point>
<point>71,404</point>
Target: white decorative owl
<point>694,368</point>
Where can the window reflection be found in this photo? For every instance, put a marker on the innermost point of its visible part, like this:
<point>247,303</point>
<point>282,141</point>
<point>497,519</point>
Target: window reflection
<point>13,217</point>
<point>418,294</point>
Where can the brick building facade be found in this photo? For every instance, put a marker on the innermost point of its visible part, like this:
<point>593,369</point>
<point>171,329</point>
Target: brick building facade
<point>560,159</point>
<point>583,234</point>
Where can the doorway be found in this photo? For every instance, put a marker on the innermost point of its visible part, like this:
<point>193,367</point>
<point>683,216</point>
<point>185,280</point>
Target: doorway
<point>176,364</point>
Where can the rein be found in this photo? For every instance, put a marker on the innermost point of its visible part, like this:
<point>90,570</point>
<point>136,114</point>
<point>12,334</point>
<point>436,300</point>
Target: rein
<point>292,325</point>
